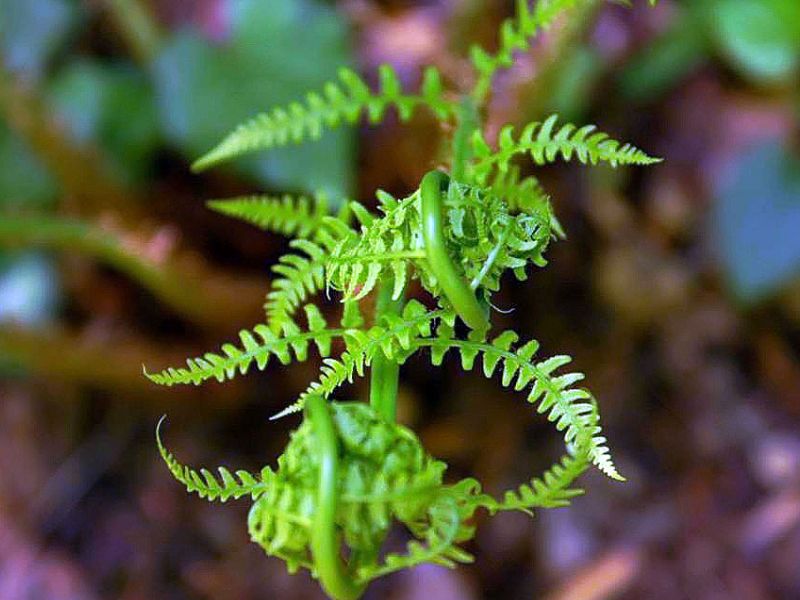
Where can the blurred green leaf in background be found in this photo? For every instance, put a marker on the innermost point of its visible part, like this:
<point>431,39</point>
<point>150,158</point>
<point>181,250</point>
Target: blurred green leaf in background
<point>761,37</point>
<point>24,181</point>
<point>111,105</point>
<point>273,53</point>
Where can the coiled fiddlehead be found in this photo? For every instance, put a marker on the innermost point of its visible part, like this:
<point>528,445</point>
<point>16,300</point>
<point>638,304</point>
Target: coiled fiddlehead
<point>463,300</point>
<point>349,471</point>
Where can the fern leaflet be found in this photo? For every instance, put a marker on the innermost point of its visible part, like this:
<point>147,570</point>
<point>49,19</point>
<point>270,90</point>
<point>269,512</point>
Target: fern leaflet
<point>296,217</point>
<point>258,347</point>
<point>343,101</point>
<point>205,484</point>
<point>544,142</point>
<point>515,34</point>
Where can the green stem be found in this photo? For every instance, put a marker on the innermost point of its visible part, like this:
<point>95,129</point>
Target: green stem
<point>385,372</point>
<point>138,27</point>
<point>453,286</point>
<point>468,123</point>
<point>331,570</point>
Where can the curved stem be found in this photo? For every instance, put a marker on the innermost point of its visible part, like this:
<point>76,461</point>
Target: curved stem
<point>454,287</point>
<point>385,372</point>
<point>331,570</point>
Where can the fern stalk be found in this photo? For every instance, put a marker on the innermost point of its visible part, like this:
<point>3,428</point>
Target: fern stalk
<point>385,372</point>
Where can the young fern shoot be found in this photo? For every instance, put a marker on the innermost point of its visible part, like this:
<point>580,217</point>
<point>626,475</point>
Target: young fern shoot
<point>350,471</point>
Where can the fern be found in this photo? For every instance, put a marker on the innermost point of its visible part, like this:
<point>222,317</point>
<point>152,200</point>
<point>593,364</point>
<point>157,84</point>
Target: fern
<point>545,142</point>
<point>515,34</point>
<point>293,217</point>
<point>205,484</point>
<point>349,472</point>
<point>571,409</point>
<point>343,101</point>
<point>257,346</point>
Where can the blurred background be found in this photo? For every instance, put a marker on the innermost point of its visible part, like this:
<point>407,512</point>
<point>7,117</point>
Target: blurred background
<point>677,292</point>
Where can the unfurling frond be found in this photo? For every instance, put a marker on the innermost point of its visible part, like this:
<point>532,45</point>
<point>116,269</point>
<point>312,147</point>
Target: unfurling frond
<point>573,410</point>
<point>525,195</point>
<point>544,142</point>
<point>205,483</point>
<point>383,245</point>
<point>343,101</point>
<point>257,346</point>
<point>298,278</point>
<point>515,35</point>
<point>296,217</point>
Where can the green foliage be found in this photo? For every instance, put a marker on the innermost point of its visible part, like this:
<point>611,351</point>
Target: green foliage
<point>545,142</point>
<point>515,35</point>
<point>349,472</point>
<point>299,217</point>
<point>205,484</point>
<point>111,106</point>
<point>273,52</point>
<point>762,37</point>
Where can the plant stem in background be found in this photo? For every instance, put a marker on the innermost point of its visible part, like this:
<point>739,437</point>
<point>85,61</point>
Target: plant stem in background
<point>186,294</point>
<point>59,354</point>
<point>80,169</point>
<point>137,25</point>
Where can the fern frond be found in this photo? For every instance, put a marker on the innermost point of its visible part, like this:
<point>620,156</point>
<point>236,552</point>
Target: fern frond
<point>572,409</point>
<point>525,195</point>
<point>299,277</point>
<point>257,346</point>
<point>384,244</point>
<point>551,490</point>
<point>395,339</point>
<point>545,142</point>
<point>297,217</point>
<point>515,35</point>
<point>205,484</point>
<point>342,101</point>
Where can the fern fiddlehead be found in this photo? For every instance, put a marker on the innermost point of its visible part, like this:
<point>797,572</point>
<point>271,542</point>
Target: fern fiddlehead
<point>349,471</point>
<point>432,187</point>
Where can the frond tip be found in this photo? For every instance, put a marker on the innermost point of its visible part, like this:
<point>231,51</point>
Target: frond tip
<point>544,142</point>
<point>298,217</point>
<point>204,483</point>
<point>515,35</point>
